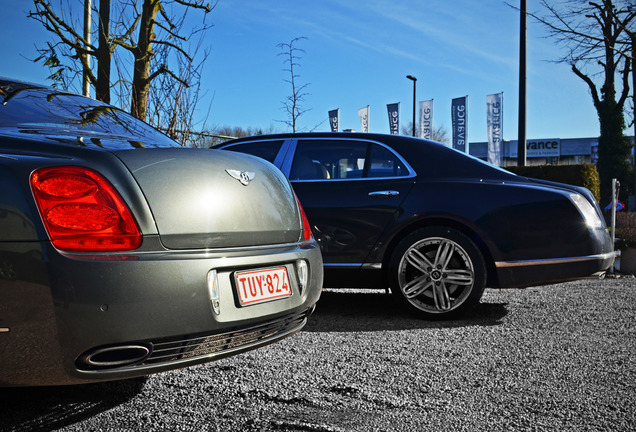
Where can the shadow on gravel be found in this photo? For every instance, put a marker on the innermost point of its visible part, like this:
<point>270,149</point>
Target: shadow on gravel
<point>376,310</point>
<point>52,408</point>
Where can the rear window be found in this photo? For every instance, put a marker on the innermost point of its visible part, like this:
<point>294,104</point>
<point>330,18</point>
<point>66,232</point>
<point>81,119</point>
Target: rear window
<point>73,119</point>
<point>344,159</point>
<point>263,149</point>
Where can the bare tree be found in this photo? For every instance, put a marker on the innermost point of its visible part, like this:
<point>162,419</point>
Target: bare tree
<point>136,31</point>
<point>625,22</point>
<point>439,134</point>
<point>598,45</point>
<point>172,104</point>
<point>237,131</point>
<point>221,134</point>
<point>292,104</point>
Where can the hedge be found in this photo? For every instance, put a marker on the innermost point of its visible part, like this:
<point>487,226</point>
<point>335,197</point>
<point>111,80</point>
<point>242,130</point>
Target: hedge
<point>584,175</point>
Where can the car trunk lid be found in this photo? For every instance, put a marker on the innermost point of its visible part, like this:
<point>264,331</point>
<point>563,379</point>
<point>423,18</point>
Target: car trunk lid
<point>199,200</point>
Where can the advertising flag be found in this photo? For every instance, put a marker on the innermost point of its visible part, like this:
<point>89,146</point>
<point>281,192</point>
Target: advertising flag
<point>334,119</point>
<point>426,119</point>
<point>459,117</point>
<point>394,118</point>
<point>494,122</point>
<point>363,113</point>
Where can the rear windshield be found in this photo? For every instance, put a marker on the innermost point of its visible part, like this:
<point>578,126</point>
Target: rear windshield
<point>73,119</point>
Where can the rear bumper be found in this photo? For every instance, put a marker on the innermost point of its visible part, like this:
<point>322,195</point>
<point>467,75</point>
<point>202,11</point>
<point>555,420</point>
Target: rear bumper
<point>179,352</point>
<point>81,304</point>
<point>518,274</point>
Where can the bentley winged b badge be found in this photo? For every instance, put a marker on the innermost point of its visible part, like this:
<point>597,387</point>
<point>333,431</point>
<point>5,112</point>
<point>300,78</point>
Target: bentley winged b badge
<point>245,177</point>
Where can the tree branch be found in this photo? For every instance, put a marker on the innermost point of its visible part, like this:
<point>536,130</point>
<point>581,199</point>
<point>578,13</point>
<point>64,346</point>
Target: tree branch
<point>590,84</point>
<point>176,47</point>
<point>55,24</point>
<point>163,69</point>
<point>196,5</point>
<point>625,92</point>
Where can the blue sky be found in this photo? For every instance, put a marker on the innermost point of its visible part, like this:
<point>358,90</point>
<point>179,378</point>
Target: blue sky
<point>358,54</point>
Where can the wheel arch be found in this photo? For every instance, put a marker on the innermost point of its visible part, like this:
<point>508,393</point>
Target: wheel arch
<point>443,221</point>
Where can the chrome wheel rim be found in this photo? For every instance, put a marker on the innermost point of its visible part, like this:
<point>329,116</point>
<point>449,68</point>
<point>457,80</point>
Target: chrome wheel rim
<point>436,275</point>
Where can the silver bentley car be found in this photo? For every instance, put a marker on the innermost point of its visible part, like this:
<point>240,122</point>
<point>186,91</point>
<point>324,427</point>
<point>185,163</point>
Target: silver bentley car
<point>123,254</point>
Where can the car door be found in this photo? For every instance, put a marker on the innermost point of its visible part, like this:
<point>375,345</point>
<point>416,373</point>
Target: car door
<point>351,191</point>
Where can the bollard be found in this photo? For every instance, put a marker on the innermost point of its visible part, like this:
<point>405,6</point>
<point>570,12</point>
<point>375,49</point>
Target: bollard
<point>615,190</point>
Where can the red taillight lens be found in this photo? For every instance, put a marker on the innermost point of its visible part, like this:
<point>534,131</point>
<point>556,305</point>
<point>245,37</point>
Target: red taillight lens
<point>67,186</point>
<point>82,211</point>
<point>306,226</point>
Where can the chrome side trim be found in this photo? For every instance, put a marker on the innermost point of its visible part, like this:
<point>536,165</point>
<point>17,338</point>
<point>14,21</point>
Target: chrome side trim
<point>527,263</point>
<point>357,179</point>
<point>384,193</point>
<point>345,265</point>
<point>368,266</point>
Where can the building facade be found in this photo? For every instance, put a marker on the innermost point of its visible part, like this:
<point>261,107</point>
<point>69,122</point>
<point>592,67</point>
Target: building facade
<point>551,151</point>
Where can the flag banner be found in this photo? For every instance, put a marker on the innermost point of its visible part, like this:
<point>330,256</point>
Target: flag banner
<point>459,117</point>
<point>394,118</point>
<point>494,122</point>
<point>363,113</point>
<point>334,119</point>
<point>426,119</point>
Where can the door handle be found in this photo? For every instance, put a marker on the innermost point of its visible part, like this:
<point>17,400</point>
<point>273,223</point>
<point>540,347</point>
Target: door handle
<point>386,193</point>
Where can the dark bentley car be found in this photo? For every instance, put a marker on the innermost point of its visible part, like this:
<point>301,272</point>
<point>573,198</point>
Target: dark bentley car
<point>123,254</point>
<point>433,224</point>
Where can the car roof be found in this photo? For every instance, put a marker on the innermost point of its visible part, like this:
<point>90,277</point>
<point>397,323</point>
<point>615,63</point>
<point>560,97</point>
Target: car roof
<point>437,159</point>
<point>358,135</point>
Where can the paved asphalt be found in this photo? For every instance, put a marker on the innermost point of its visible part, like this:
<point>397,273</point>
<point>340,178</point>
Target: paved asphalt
<point>560,357</point>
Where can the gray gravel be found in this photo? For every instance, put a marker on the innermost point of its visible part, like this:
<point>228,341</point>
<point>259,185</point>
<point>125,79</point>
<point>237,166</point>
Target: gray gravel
<point>561,357</point>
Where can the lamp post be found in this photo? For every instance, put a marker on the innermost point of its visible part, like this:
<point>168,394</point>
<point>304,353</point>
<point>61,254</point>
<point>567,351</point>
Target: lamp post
<point>412,78</point>
<point>521,141</point>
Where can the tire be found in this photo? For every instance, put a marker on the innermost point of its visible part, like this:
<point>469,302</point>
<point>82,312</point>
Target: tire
<point>438,272</point>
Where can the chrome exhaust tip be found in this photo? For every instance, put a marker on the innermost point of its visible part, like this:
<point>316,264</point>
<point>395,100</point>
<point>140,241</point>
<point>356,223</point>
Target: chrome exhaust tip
<point>114,356</point>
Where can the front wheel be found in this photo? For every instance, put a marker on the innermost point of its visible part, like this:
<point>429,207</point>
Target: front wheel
<point>438,270</point>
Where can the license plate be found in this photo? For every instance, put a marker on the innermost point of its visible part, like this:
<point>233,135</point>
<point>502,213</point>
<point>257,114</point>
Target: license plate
<point>258,286</point>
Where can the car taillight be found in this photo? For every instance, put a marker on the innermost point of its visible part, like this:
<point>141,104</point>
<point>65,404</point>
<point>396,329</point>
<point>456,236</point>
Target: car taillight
<point>306,226</point>
<point>82,211</point>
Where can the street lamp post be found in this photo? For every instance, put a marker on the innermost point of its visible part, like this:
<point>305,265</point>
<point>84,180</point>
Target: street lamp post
<point>412,78</point>
<point>521,141</point>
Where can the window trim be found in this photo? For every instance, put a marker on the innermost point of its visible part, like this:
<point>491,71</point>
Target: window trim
<point>293,146</point>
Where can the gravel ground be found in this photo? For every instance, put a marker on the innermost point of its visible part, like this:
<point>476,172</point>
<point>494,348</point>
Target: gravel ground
<point>561,357</point>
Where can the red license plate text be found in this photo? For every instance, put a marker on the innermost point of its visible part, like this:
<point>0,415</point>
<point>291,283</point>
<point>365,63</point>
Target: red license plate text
<point>258,286</point>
